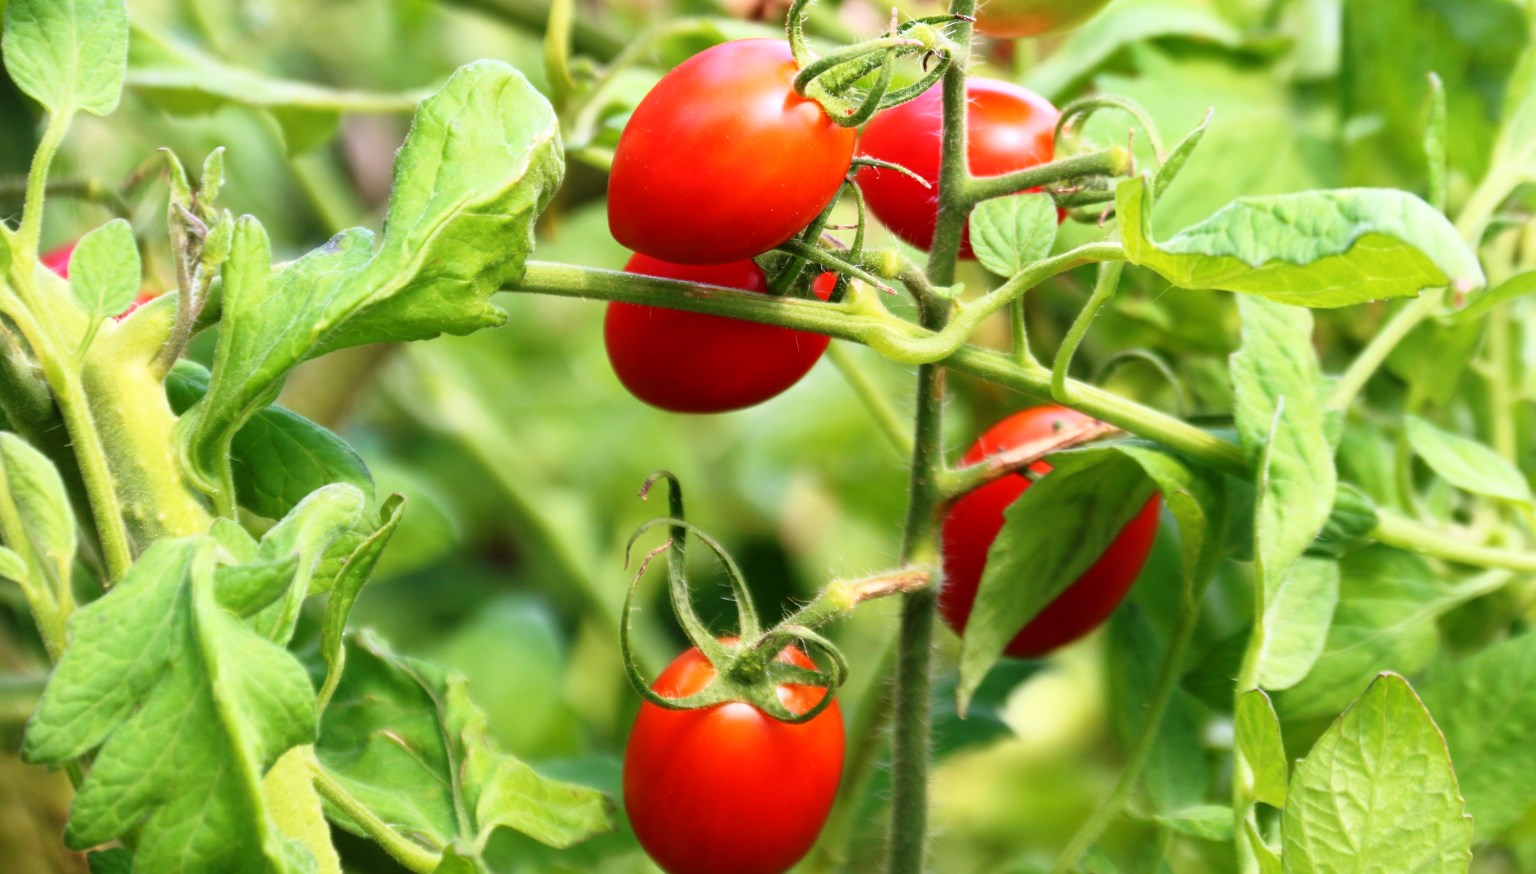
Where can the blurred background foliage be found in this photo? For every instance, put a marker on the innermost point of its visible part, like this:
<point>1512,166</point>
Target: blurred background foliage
<point>521,454</point>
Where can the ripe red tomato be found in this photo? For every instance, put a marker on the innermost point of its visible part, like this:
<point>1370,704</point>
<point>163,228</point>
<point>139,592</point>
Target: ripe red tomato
<point>57,260</point>
<point>729,788</point>
<point>974,521</point>
<point>1008,128</point>
<point>1011,19</point>
<point>698,363</point>
<point>722,160</point>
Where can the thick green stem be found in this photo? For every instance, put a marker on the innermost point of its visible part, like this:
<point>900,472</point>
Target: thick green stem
<point>1114,161</point>
<point>412,856</point>
<point>1103,290</point>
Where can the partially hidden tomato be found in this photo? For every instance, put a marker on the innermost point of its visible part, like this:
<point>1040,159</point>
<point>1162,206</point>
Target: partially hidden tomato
<point>1012,19</point>
<point>722,160</point>
<point>57,260</point>
<point>697,363</point>
<point>729,788</point>
<point>975,520</point>
<point>1008,128</point>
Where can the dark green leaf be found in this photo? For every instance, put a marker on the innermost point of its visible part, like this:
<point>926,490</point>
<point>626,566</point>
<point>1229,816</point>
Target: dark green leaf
<point>407,742</point>
<point>1052,534</point>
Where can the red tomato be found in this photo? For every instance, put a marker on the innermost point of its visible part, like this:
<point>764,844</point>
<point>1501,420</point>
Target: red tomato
<point>974,521</point>
<point>1011,19</point>
<point>57,260</point>
<point>729,788</point>
<point>722,160</point>
<point>698,363</point>
<point>1008,128</point>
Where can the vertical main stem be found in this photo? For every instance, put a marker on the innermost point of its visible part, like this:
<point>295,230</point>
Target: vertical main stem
<point>911,738</point>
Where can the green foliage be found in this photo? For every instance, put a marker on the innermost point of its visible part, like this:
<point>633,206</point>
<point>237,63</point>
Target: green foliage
<point>1316,248</point>
<point>105,270</point>
<point>1377,793</point>
<point>404,738</point>
<point>68,55</point>
<point>1011,233</point>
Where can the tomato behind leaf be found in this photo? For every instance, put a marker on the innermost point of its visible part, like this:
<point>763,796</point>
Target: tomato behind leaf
<point>57,260</point>
<point>1012,19</point>
<point>729,788</point>
<point>1008,128</point>
<point>698,363</point>
<point>975,520</point>
<point>722,160</point>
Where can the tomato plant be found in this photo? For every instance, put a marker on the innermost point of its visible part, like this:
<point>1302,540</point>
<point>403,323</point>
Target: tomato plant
<point>730,788</point>
<point>974,521</point>
<point>722,160</point>
<point>1008,128</point>
<point>695,363</point>
<point>57,260</point>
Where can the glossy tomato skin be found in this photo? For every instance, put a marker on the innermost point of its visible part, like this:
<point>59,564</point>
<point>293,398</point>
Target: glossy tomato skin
<point>697,363</point>
<point>722,160</point>
<point>729,788</point>
<point>57,260</point>
<point>1008,128</point>
<point>1012,19</point>
<point>973,522</point>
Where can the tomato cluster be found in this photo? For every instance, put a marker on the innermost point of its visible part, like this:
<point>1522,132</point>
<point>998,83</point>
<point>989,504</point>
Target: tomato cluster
<point>975,520</point>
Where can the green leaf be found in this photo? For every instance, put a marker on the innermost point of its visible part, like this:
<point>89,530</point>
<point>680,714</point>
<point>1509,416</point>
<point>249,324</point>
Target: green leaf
<point>279,457</point>
<point>295,805</point>
<point>1514,151</point>
<point>481,161</point>
<point>114,861</point>
<point>37,524</point>
<point>405,740</point>
<point>347,585</point>
<point>1295,623</point>
<point>183,80</point>
<point>12,567</point>
<point>1256,733</point>
<point>1280,425</point>
<point>1349,524</point>
<point>1011,233</point>
<point>1268,859</point>
<point>1315,249</point>
<point>1516,286</point>
<point>1487,710</point>
<point>67,55</point>
<point>1377,794</point>
<point>1205,822</point>
<point>269,591</point>
<point>1197,498</point>
<point>1467,464</point>
<point>188,706</point>
<point>1389,601</point>
<point>1177,772</point>
<point>104,271</point>
<point>1053,533</point>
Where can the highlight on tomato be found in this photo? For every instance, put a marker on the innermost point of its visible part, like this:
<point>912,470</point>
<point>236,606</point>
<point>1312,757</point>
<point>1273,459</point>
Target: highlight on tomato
<point>1008,128</point>
<point>729,788</point>
<point>722,160</point>
<point>697,363</point>
<point>1013,19</point>
<point>974,521</point>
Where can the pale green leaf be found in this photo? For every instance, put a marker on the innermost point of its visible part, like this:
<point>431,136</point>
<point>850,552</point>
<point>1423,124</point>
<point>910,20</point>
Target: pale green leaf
<point>36,522</point>
<point>348,584</point>
<point>104,271</point>
<point>406,741</point>
<point>1053,533</point>
<point>1256,733</point>
<point>1315,249</point>
<point>1280,425</point>
<point>67,55</point>
<point>1486,706</point>
<point>1294,628</point>
<point>1467,464</point>
<point>188,707</point>
<point>1206,822</point>
<point>1377,794</point>
<point>1011,233</point>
